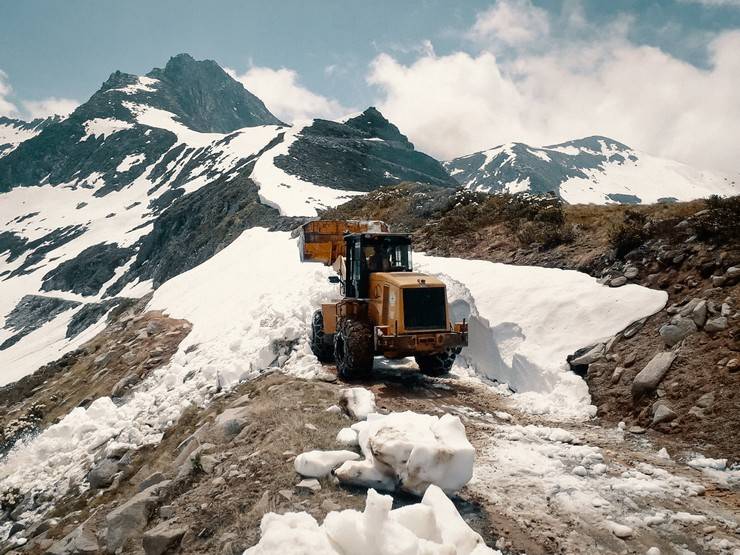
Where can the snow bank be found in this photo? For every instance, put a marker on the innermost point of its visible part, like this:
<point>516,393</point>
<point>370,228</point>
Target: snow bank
<point>411,451</point>
<point>432,527</point>
<point>525,320</point>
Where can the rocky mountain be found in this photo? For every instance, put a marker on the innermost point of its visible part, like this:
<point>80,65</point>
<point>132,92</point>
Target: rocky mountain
<point>152,176</point>
<point>590,170</point>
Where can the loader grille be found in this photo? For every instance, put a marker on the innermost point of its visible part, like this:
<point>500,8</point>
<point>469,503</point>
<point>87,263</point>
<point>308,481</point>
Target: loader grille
<point>424,308</point>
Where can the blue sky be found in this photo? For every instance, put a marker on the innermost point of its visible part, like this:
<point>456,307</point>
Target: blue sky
<point>52,49</point>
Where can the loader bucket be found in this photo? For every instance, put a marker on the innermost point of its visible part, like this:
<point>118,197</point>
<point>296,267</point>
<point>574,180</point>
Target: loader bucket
<point>323,240</point>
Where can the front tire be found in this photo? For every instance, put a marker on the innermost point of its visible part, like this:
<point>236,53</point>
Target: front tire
<point>437,364</point>
<point>353,349</point>
<point>322,344</point>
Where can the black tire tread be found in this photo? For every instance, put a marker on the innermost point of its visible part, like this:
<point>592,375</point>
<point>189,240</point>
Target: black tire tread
<point>356,360</point>
<point>322,345</point>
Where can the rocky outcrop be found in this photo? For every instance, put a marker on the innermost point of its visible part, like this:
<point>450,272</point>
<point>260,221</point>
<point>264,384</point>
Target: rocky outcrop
<point>32,312</point>
<point>88,271</point>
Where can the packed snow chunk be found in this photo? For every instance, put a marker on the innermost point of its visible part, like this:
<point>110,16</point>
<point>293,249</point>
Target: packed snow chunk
<point>291,534</point>
<point>317,464</point>
<point>432,527</point>
<point>703,462</point>
<point>619,530</point>
<point>347,436</point>
<point>358,402</point>
<point>412,451</point>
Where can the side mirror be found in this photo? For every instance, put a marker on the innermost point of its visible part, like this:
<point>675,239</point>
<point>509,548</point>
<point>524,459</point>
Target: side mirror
<point>333,279</point>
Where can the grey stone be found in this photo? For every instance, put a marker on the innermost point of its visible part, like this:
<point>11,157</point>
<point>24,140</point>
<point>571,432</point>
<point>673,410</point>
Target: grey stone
<point>592,355</point>
<point>629,360</point>
<point>612,343</point>
<point>230,422</point>
<point>166,511</point>
<point>699,313</point>
<point>630,272</point>
<point>311,484</point>
<point>241,401</point>
<point>687,309</point>
<point>663,414</point>
<point>716,324</point>
<point>733,365</point>
<point>726,310</point>
<point>617,281</point>
<point>617,374</point>
<point>718,281</point>
<point>633,328</point>
<point>696,412</point>
<point>129,519</point>
<point>705,401</point>
<point>150,480</point>
<point>733,272</point>
<point>636,430</point>
<point>80,541</point>
<point>650,376</point>
<point>123,384</point>
<point>102,474</point>
<point>675,332</point>
<point>162,538</point>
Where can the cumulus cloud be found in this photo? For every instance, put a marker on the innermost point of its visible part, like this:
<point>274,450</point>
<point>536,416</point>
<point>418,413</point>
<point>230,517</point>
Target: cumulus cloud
<point>460,103</point>
<point>7,108</point>
<point>285,97</point>
<point>49,107</point>
<point>512,22</point>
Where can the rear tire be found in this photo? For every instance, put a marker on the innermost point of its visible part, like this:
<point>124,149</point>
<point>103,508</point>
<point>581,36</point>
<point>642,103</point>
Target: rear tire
<point>437,364</point>
<point>322,344</point>
<point>353,349</point>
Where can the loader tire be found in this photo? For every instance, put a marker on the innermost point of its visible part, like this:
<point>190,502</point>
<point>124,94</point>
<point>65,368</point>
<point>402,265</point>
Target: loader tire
<point>322,344</point>
<point>353,349</point>
<point>437,364</point>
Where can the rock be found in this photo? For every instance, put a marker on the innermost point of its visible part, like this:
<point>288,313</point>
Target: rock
<point>102,474</point>
<point>166,511</point>
<point>241,401</point>
<point>328,505</point>
<point>636,430</point>
<point>123,384</point>
<point>612,343</point>
<point>150,480</point>
<point>334,409</point>
<point>633,328</point>
<point>716,324</point>
<point>286,494</point>
<point>725,310</point>
<point>229,423</point>
<point>629,360</point>
<point>129,519</point>
<point>732,273</point>
<point>617,374</point>
<point>705,401</point>
<point>696,412</point>
<point>162,538</point>
<point>699,313</point>
<point>733,365</point>
<point>311,427</point>
<point>663,414</point>
<point>650,376</point>
<point>676,331</point>
<point>718,281</point>
<point>617,281</point>
<point>630,272</point>
<point>583,357</point>
<point>78,542</point>
<point>657,404</point>
<point>311,484</point>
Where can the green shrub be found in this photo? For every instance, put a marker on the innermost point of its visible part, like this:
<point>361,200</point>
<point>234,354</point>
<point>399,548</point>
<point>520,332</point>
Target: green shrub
<point>630,234</point>
<point>720,221</point>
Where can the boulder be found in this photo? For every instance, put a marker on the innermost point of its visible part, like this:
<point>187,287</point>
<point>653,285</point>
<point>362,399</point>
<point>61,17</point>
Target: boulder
<point>705,401</point>
<point>650,376</point>
<point>163,538</point>
<point>733,273</point>
<point>716,324</point>
<point>630,272</point>
<point>633,328</point>
<point>699,313</point>
<point>150,480</point>
<point>586,356</point>
<point>129,519</point>
<point>123,384</point>
<point>663,414</point>
<point>80,541</point>
<point>103,473</point>
<point>617,281</point>
<point>677,330</point>
<point>229,423</point>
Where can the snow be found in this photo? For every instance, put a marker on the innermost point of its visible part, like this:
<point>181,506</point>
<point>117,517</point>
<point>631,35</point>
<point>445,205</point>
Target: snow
<point>289,194</point>
<point>143,84</point>
<point>411,451</point>
<point>129,161</point>
<point>704,462</point>
<point>347,436</point>
<point>14,135</point>
<point>525,320</point>
<point>432,527</point>
<point>155,117</point>
<point>104,127</point>
<point>317,464</point>
<point>358,401</point>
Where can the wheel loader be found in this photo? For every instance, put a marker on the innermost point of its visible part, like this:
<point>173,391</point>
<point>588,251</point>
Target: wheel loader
<point>387,309</point>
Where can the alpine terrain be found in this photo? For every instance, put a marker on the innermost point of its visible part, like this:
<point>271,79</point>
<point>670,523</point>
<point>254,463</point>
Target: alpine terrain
<point>159,391</point>
<point>594,170</point>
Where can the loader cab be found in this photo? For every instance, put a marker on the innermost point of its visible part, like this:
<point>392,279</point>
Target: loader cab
<point>367,253</point>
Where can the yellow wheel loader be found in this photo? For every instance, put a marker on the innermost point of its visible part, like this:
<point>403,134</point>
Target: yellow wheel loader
<point>387,309</point>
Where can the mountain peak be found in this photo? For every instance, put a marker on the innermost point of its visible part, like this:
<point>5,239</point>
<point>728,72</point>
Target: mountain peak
<point>375,124</point>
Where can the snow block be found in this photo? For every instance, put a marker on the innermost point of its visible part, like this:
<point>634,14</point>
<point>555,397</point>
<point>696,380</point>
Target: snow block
<point>411,451</point>
<point>358,402</point>
<point>433,526</point>
<point>317,464</point>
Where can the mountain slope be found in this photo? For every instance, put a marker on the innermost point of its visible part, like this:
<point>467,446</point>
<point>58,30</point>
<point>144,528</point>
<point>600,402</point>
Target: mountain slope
<point>589,170</point>
<point>15,131</point>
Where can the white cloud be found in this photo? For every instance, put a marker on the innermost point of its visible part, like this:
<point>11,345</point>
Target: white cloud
<point>735,3</point>
<point>7,108</point>
<point>285,97</point>
<point>512,22</point>
<point>461,103</point>
<point>49,107</point>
